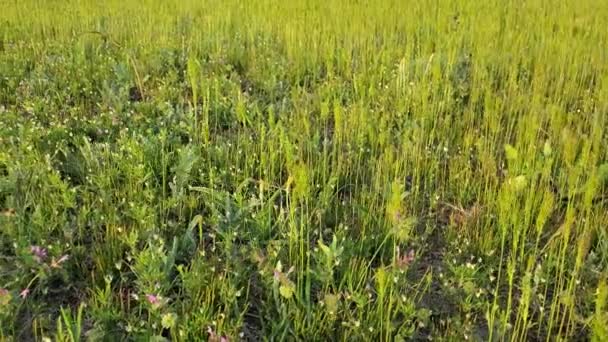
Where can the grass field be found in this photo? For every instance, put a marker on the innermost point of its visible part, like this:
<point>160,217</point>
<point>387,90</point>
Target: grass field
<point>318,170</point>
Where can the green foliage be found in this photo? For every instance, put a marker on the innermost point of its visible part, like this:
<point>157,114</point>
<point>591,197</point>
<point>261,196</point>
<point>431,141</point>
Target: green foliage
<point>303,170</point>
<point>69,328</point>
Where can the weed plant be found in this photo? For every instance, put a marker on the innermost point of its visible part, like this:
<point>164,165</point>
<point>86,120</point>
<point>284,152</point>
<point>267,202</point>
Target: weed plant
<point>303,170</point>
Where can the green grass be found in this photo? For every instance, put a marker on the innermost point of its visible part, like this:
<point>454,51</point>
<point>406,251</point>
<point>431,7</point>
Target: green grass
<point>303,170</point>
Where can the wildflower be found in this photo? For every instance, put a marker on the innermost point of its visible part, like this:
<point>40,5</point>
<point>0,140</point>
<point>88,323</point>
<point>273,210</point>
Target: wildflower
<point>23,294</point>
<point>5,297</point>
<point>278,272</point>
<point>403,261</point>
<point>152,299</point>
<point>212,334</point>
<point>213,337</point>
<point>57,263</point>
<point>39,253</point>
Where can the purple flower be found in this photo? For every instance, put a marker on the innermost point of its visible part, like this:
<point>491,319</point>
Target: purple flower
<point>39,253</point>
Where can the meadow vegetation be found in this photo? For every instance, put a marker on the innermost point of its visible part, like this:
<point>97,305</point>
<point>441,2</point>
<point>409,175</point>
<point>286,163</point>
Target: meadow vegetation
<point>303,170</point>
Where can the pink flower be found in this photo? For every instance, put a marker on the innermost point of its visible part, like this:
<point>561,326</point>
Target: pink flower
<point>23,294</point>
<point>39,253</point>
<point>403,261</point>
<point>212,334</point>
<point>152,299</point>
<point>214,338</point>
